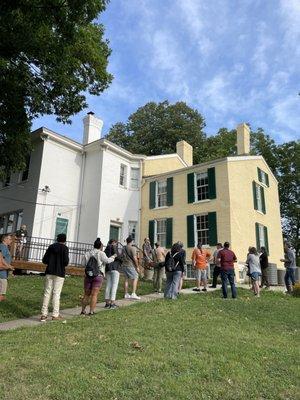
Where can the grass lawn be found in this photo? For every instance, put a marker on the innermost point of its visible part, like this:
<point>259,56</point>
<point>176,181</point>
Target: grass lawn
<point>198,347</point>
<point>25,294</point>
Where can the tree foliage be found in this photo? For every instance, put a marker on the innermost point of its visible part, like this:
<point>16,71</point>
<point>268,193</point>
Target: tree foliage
<point>156,128</point>
<point>51,52</point>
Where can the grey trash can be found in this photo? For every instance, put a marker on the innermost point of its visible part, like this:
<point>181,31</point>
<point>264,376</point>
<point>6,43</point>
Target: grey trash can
<point>280,276</point>
<point>272,274</point>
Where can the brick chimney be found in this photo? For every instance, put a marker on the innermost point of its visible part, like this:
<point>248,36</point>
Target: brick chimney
<point>92,127</point>
<point>185,152</point>
<point>243,139</point>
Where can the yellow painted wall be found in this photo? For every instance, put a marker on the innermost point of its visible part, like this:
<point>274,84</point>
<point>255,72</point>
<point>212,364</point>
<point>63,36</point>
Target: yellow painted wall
<point>155,166</point>
<point>181,208</point>
<point>243,216</point>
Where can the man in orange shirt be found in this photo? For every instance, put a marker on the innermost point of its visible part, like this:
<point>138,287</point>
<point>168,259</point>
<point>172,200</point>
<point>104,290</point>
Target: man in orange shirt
<point>200,259</point>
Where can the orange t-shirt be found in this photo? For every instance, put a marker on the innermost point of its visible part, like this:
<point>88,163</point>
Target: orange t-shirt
<point>200,257</point>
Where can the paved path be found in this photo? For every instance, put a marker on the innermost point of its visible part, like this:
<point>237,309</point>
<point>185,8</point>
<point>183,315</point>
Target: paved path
<point>73,312</point>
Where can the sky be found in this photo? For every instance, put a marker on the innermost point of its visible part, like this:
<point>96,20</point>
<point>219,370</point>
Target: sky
<point>233,61</point>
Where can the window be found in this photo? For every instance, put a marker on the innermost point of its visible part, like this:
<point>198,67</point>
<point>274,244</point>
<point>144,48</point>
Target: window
<point>123,175</point>
<point>2,224</point>
<point>201,186</point>
<point>134,178</point>
<point>161,194</point>
<point>114,232</point>
<point>202,228</point>
<point>261,236</point>
<point>132,230</point>
<point>259,198</point>
<point>263,177</point>
<point>161,232</point>
<point>10,223</point>
<point>19,220</point>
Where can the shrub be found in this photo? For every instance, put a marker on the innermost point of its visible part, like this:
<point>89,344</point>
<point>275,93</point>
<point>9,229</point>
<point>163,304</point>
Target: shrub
<point>296,290</point>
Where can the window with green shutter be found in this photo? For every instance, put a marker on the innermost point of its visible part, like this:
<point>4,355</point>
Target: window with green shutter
<point>170,191</point>
<point>266,239</point>
<point>212,193</point>
<point>261,233</point>
<point>151,231</point>
<point>152,194</point>
<point>212,229</point>
<point>259,197</point>
<point>190,221</point>
<point>254,195</point>
<point>169,229</point>
<point>190,187</point>
<point>263,177</point>
<point>263,201</point>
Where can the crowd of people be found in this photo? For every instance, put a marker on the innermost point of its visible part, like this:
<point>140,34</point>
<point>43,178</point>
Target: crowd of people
<point>170,265</point>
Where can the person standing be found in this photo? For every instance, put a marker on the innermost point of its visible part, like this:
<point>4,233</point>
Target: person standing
<point>56,258</point>
<point>130,269</point>
<point>264,264</point>
<point>5,267</point>
<point>217,268</point>
<point>227,258</point>
<point>200,259</point>
<point>21,240</point>
<point>159,258</point>
<point>290,265</point>
<point>185,267</point>
<point>112,275</point>
<point>93,284</point>
<point>174,265</point>
<point>147,254</point>
<point>253,263</point>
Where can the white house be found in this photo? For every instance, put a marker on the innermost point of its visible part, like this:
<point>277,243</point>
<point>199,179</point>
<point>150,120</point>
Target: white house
<point>86,190</point>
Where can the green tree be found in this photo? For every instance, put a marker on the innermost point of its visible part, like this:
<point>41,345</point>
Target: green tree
<point>155,129</point>
<point>51,52</point>
<point>223,144</point>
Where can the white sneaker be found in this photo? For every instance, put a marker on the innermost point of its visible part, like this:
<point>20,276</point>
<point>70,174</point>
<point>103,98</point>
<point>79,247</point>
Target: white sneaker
<point>127,296</point>
<point>135,297</point>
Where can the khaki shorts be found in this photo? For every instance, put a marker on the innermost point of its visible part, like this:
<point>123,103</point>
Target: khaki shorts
<point>201,274</point>
<point>3,286</point>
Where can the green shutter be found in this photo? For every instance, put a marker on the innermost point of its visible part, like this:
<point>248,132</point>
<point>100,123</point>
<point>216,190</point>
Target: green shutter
<point>190,220</point>
<point>267,179</point>
<point>169,230</point>
<point>169,191</point>
<point>254,195</point>
<point>259,174</point>
<point>263,202</point>
<point>191,187</point>
<point>151,232</point>
<point>266,239</point>
<point>212,229</point>
<point>152,193</point>
<point>212,193</point>
<point>257,235</point>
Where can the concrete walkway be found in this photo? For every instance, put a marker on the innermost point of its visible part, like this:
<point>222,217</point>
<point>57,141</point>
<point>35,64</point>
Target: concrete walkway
<point>74,312</point>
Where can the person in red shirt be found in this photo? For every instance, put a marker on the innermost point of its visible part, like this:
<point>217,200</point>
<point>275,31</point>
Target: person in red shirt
<point>227,258</point>
<point>200,259</point>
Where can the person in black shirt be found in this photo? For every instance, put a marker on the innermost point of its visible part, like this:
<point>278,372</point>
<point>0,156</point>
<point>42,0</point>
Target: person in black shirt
<point>264,263</point>
<point>174,275</point>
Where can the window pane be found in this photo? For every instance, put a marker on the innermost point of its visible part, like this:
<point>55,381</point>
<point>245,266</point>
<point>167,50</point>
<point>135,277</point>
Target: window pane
<point>10,223</point>
<point>134,178</point>
<point>161,235</point>
<point>161,199</point>
<point>202,186</point>
<point>123,170</point>
<point>132,229</point>
<point>202,228</point>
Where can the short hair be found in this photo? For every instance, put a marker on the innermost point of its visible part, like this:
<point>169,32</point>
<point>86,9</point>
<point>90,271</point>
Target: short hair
<point>157,244</point>
<point>226,245</point>
<point>180,243</point>
<point>129,239</point>
<point>219,244</point>
<point>111,241</point>
<point>252,250</point>
<point>97,244</point>
<point>176,248</point>
<point>4,236</point>
<point>263,248</point>
<point>61,238</point>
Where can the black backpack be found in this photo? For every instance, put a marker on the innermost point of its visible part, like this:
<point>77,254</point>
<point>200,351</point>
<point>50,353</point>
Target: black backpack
<point>170,263</point>
<point>92,268</point>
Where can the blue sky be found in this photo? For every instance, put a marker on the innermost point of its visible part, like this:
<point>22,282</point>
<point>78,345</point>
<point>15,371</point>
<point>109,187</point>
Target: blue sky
<point>233,61</point>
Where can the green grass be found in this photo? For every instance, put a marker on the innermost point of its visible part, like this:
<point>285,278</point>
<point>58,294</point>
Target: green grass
<point>25,294</point>
<point>198,347</point>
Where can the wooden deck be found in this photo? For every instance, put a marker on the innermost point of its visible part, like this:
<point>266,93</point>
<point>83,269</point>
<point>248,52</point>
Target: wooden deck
<point>40,267</point>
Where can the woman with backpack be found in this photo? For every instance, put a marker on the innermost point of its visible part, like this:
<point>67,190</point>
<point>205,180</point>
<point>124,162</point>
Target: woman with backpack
<point>94,262</point>
<point>174,266</point>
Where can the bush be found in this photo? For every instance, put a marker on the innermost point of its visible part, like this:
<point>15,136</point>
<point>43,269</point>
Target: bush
<point>296,290</point>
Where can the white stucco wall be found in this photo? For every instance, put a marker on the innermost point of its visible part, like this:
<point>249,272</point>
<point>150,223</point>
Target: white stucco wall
<point>60,170</point>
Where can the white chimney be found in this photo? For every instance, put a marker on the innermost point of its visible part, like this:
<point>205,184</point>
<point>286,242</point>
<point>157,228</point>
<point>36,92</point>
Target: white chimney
<point>243,139</point>
<point>92,128</point>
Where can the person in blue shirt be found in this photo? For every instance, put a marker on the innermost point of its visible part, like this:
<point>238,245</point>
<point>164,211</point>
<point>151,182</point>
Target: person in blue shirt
<point>5,266</point>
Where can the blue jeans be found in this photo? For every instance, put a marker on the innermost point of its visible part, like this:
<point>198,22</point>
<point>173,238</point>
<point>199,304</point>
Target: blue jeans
<point>172,284</point>
<point>229,274</point>
<point>289,277</point>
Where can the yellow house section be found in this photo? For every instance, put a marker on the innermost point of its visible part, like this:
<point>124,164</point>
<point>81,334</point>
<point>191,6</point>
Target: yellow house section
<point>160,164</point>
<point>181,208</point>
<point>243,216</point>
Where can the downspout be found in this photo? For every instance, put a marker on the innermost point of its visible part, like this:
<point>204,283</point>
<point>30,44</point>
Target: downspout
<point>81,193</point>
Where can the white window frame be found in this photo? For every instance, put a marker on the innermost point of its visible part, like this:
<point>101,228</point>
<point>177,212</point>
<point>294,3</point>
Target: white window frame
<point>196,229</point>
<point>123,176</point>
<point>158,235</point>
<point>160,194</point>
<point>196,175</point>
<point>261,236</point>
<point>135,180</point>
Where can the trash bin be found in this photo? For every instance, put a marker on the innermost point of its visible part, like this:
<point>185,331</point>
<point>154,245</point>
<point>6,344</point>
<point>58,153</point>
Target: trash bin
<point>272,274</point>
